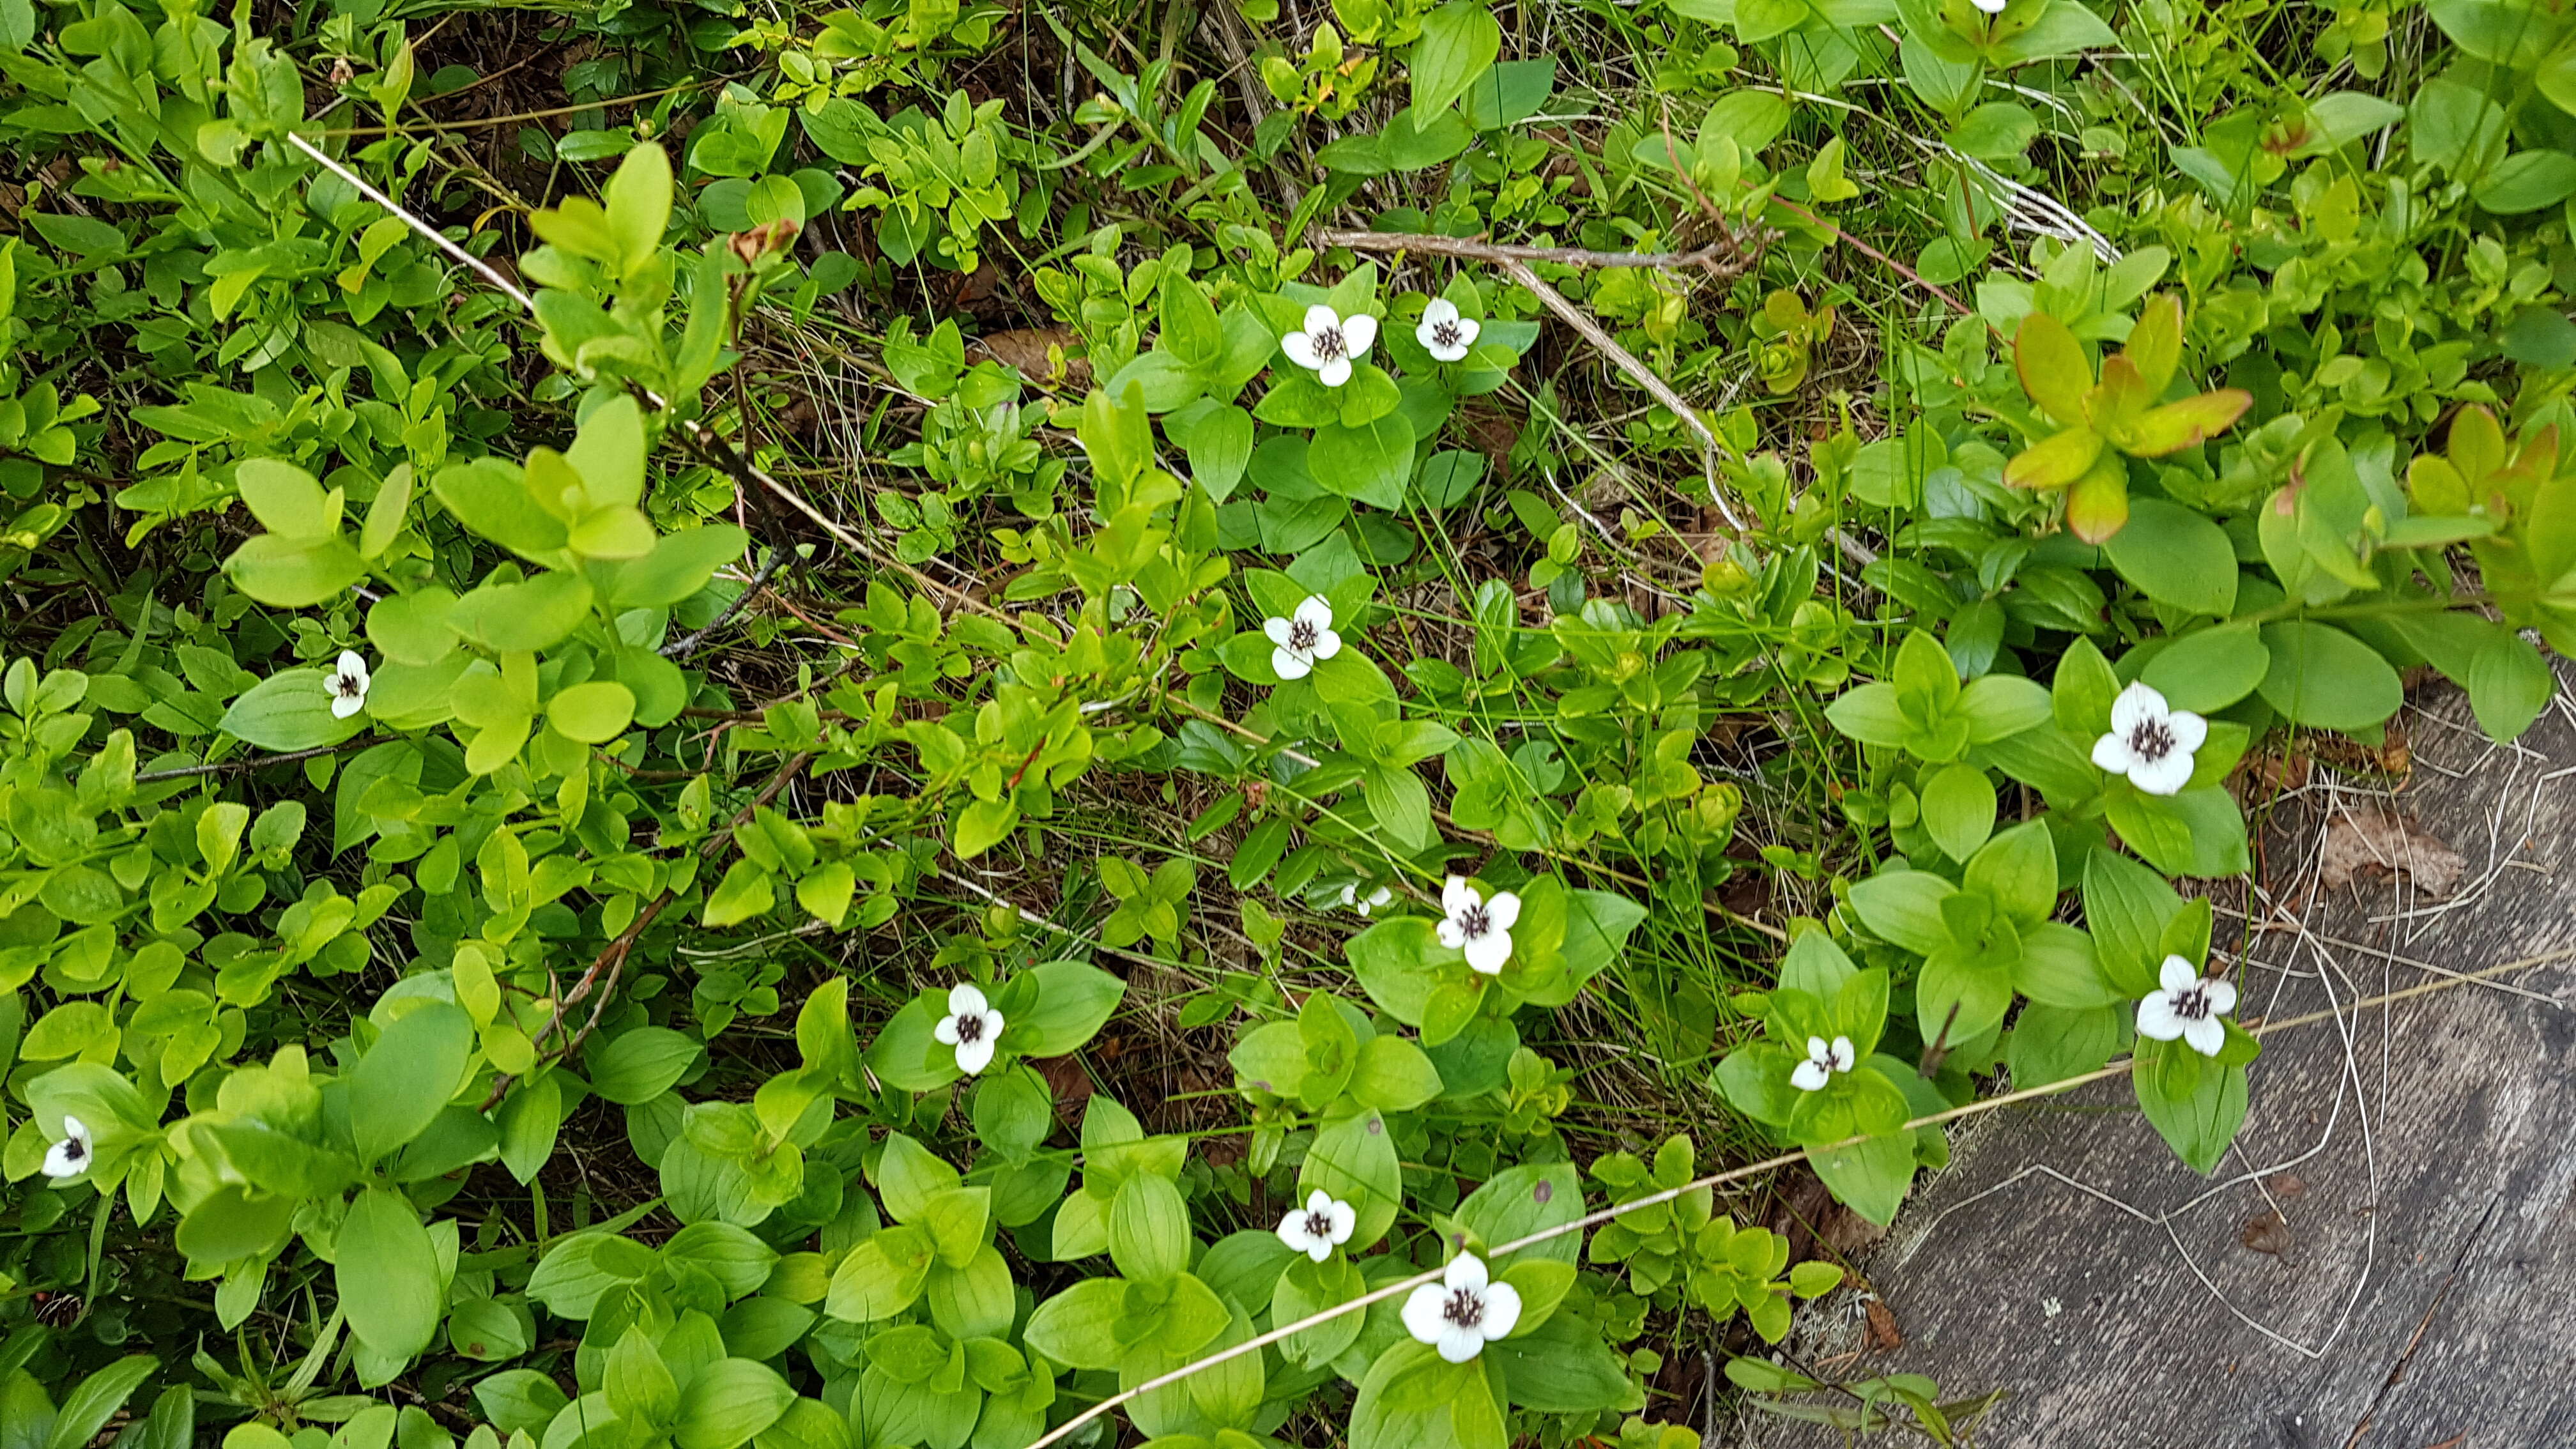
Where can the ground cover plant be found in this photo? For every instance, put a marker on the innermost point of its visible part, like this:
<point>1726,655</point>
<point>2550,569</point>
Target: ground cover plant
<point>850,728</point>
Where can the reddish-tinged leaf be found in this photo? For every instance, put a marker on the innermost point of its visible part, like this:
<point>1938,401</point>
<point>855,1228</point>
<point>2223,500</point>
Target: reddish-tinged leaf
<point>2054,462</point>
<point>2121,400</point>
<point>2098,506</point>
<point>2052,367</point>
<point>2176,426</point>
<point>2155,344</point>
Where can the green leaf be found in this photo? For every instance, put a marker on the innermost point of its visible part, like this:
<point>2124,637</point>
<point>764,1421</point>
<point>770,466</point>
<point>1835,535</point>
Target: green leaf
<point>2509,685</point>
<point>594,712</point>
<point>285,499</point>
<point>1959,809</point>
<point>2322,676</point>
<point>1460,42</point>
<point>1394,1075</point>
<point>97,1399</point>
<point>1354,1160</point>
<point>2196,1103</point>
<point>728,1402</point>
<point>517,618</point>
<point>290,710</point>
<point>1371,462</point>
<point>639,1065</point>
<point>2052,1043</point>
<point>388,1275</point>
<point>1904,906</point>
<point>1074,1000</point>
<point>1149,1229</point>
<point>678,567</point>
<point>2209,669</point>
<point>1564,1367</point>
<point>2527,181</point>
<point>406,1079</point>
<point>2177,556</point>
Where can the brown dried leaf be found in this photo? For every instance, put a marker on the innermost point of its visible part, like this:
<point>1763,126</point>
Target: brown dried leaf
<point>2382,841</point>
<point>1026,349</point>
<point>2266,1232</point>
<point>1879,1334</point>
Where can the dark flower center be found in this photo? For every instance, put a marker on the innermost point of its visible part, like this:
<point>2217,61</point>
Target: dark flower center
<point>1475,921</point>
<point>2192,1004</point>
<point>1319,1225</point>
<point>345,685</point>
<point>1464,1308</point>
<point>1445,334</point>
<point>1303,635</point>
<point>75,1149</point>
<point>1327,343</point>
<point>970,1027</point>
<point>2152,740</point>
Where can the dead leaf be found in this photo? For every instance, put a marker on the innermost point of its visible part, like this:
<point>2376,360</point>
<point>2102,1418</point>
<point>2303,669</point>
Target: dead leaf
<point>1070,1082</point>
<point>2382,841</point>
<point>2267,1232</point>
<point>1026,349</point>
<point>2287,1184</point>
<point>1880,1333</point>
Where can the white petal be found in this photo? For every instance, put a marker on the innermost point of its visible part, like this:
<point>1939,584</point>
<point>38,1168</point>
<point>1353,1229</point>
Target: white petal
<point>1335,372</point>
<point>1290,664</point>
<point>1350,896</point>
<point>1468,327</point>
<point>1327,644</point>
<point>1810,1076</point>
<point>1319,1201</point>
<point>1357,333</point>
<point>345,705</point>
<point>1315,610</point>
<point>2136,705</point>
<point>2162,777</point>
<point>1502,1310</point>
<point>1456,895</point>
<point>1301,350</point>
<point>2190,731</point>
<point>1292,1231</point>
<point>1380,896</point>
<point>1346,1220</point>
<point>1440,310</point>
<point>1426,334</point>
<point>2176,974</point>
<point>1451,934</point>
<point>1452,352</point>
<point>1459,1344</point>
<point>1991,7</point>
<point>966,999</point>
<point>354,665</point>
<point>974,1056</point>
<point>2222,997</point>
<point>2156,1018</point>
<point>2112,753</point>
<point>1819,1050</point>
<point>1503,910</point>
<point>1488,952</point>
<point>1466,1271</point>
<point>1276,630</point>
<point>1318,1249</point>
<point>1422,1316</point>
<point>75,1130</point>
<point>1320,318</point>
<point>945,1033</point>
<point>2206,1035</point>
<point>1844,1058</point>
<point>61,1162</point>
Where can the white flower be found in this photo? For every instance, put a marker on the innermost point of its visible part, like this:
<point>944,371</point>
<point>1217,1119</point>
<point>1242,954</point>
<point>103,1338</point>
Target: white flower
<point>1462,1312</point>
<point>971,1026</point>
<point>1323,1224</point>
<point>1991,7</point>
<point>1443,333</point>
<point>70,1157</point>
<point>1305,638</point>
<point>1330,343</point>
<point>1823,1060</point>
<point>347,685</point>
<point>1480,927</point>
<point>2188,1006</point>
<point>2150,741</point>
<point>1364,904</point>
